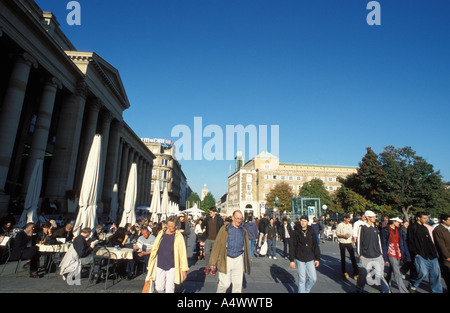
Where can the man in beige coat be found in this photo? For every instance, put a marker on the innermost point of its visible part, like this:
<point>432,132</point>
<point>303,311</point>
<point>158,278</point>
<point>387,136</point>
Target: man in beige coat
<point>231,254</point>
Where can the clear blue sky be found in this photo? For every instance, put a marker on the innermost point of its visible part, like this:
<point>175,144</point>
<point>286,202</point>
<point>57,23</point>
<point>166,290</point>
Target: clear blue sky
<point>334,84</point>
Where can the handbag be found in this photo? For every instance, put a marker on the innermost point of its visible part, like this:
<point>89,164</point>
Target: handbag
<point>148,287</point>
<point>263,250</point>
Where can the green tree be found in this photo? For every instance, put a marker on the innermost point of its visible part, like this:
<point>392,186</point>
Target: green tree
<point>192,199</point>
<point>315,188</point>
<point>208,202</point>
<point>397,180</point>
<point>284,195</point>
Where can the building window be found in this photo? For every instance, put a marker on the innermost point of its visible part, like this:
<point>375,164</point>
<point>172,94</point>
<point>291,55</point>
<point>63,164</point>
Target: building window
<point>330,179</point>
<point>274,177</point>
<point>266,186</point>
<point>299,178</point>
<point>164,162</point>
<point>267,166</point>
<point>291,177</point>
<point>249,187</point>
<point>283,177</point>
<point>249,178</point>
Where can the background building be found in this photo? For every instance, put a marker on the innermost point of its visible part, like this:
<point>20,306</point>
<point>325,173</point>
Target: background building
<point>167,170</point>
<point>53,100</point>
<point>250,184</point>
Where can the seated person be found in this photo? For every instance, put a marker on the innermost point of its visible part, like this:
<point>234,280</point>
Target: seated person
<point>97,232</point>
<point>84,246</point>
<point>6,228</point>
<point>24,250</point>
<point>119,238</point>
<point>45,236</point>
<point>142,250</point>
<point>64,232</point>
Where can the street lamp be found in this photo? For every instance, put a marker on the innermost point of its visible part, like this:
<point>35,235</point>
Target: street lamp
<point>324,208</point>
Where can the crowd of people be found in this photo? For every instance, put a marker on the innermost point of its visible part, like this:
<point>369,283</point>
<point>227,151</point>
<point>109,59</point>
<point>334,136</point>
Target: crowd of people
<point>228,246</point>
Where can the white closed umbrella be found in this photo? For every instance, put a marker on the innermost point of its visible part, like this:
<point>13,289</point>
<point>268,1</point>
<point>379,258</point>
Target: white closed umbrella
<point>129,214</point>
<point>155,205</point>
<point>87,213</point>
<point>165,204</point>
<point>29,213</point>
<point>114,203</point>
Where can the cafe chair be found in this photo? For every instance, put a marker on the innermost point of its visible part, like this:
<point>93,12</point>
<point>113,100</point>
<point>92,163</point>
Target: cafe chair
<point>104,266</point>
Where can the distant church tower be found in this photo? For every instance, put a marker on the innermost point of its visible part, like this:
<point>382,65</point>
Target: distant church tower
<point>205,191</point>
<point>238,160</point>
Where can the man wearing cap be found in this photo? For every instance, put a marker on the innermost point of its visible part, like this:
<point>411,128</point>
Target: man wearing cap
<point>304,254</point>
<point>371,255</point>
<point>395,250</point>
<point>344,233</point>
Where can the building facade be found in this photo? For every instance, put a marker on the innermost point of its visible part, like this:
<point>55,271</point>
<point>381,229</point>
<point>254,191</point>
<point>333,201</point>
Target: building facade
<point>167,170</point>
<point>53,100</point>
<point>250,184</point>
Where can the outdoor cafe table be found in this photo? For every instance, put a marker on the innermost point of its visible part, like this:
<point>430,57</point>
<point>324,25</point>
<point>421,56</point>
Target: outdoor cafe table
<point>119,254</point>
<point>58,248</point>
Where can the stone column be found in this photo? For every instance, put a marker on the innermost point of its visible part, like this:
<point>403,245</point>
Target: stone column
<point>111,163</point>
<point>40,136</point>
<point>10,114</point>
<point>123,172</point>
<point>61,176</point>
<point>90,128</point>
<point>105,131</point>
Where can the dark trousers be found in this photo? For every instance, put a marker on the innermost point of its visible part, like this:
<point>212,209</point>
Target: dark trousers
<point>445,272</point>
<point>131,263</point>
<point>31,254</point>
<point>351,252</point>
<point>286,245</point>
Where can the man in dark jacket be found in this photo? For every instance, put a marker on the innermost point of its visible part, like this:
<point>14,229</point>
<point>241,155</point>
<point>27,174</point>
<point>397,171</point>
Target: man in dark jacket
<point>441,235</point>
<point>424,253</point>
<point>263,228</point>
<point>212,223</point>
<point>395,250</point>
<point>304,254</point>
<point>83,246</point>
<point>24,250</point>
<point>285,235</point>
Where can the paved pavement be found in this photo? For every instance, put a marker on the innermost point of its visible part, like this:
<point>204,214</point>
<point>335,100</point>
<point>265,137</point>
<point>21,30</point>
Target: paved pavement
<point>267,276</point>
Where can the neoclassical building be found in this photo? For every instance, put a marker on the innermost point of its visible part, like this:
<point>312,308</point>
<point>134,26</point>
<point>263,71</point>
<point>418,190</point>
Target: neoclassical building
<point>251,182</point>
<point>53,100</point>
<point>167,170</point>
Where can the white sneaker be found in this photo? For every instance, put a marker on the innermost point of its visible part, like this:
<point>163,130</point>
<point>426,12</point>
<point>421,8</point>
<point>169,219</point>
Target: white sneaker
<point>274,257</point>
<point>270,257</point>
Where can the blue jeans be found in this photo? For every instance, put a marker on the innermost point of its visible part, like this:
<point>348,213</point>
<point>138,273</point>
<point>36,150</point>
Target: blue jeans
<point>252,244</point>
<point>427,267</point>
<point>271,246</point>
<point>303,269</point>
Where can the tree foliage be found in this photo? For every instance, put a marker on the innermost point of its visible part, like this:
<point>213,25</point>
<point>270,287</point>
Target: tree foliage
<point>397,180</point>
<point>208,202</point>
<point>315,188</point>
<point>192,199</point>
<point>284,194</point>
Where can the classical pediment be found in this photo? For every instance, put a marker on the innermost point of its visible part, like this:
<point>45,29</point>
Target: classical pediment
<point>110,75</point>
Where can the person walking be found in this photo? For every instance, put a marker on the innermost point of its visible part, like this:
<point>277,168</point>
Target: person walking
<point>272,238</point>
<point>424,253</point>
<point>263,228</point>
<point>304,255</point>
<point>252,231</point>
<point>356,225</point>
<point>231,254</point>
<point>213,223</point>
<point>316,227</point>
<point>285,235</point>
<point>371,255</point>
<point>395,250</point>
<point>441,234</point>
<point>168,264</point>
<point>344,234</point>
